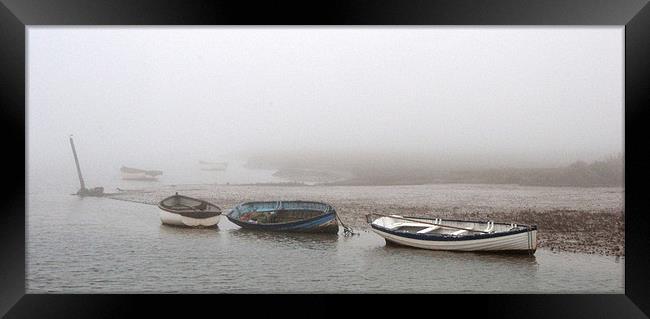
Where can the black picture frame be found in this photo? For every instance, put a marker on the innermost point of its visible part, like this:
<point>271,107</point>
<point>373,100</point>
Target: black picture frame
<point>16,15</point>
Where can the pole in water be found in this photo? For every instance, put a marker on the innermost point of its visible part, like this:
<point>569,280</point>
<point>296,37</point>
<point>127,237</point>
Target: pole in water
<point>83,191</point>
<point>76,160</point>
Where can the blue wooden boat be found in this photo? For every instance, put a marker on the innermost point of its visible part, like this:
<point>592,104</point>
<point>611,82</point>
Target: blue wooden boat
<point>289,216</point>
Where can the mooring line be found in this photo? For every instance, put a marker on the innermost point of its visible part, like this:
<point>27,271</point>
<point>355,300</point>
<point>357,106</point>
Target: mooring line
<point>131,200</point>
<point>347,231</point>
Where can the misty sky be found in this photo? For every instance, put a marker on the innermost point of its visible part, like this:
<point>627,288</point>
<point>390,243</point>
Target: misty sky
<point>145,96</point>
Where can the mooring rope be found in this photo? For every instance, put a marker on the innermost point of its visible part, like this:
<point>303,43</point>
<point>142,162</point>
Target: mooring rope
<point>347,230</point>
<point>132,200</point>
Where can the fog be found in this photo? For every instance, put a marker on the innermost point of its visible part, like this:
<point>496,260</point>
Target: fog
<point>162,97</point>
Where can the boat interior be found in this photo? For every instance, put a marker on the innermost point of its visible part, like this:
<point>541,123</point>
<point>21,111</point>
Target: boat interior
<point>181,203</point>
<point>437,226</point>
<point>279,216</point>
<point>279,212</point>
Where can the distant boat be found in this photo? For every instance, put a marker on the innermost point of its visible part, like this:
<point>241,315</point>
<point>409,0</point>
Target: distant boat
<point>289,216</point>
<point>179,210</point>
<point>451,234</point>
<point>213,166</point>
<point>129,173</point>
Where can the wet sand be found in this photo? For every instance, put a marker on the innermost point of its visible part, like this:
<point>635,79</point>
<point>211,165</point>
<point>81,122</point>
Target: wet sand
<point>583,220</point>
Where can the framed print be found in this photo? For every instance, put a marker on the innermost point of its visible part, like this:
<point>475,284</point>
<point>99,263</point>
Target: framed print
<point>229,153</point>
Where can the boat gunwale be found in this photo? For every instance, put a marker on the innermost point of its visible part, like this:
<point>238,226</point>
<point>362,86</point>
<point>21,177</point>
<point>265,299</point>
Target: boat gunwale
<point>331,208</point>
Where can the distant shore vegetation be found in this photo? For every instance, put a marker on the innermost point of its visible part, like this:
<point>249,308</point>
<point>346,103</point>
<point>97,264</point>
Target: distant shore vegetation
<point>608,172</point>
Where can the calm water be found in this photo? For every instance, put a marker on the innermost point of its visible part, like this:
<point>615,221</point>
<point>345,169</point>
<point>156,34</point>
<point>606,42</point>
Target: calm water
<point>98,245</point>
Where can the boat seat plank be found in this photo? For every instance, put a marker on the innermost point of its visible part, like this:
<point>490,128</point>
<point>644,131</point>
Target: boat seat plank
<point>430,229</point>
<point>394,226</point>
<point>459,232</point>
<point>398,225</point>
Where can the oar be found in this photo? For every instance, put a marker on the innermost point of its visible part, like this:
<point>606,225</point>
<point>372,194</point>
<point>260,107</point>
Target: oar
<point>418,221</point>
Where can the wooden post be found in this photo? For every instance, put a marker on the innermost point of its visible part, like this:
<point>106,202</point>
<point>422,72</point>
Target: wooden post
<point>76,160</point>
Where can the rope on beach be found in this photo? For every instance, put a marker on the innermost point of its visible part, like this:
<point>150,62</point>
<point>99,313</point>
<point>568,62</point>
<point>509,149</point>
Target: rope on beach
<point>347,230</point>
<point>131,200</point>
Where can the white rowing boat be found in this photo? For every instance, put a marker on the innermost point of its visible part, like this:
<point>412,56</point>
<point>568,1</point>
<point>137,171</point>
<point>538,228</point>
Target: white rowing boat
<point>179,210</point>
<point>455,235</point>
<point>137,174</point>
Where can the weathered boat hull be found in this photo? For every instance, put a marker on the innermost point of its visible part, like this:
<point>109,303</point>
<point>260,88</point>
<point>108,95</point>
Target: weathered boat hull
<point>286,216</point>
<point>184,211</point>
<point>138,177</point>
<point>525,242</point>
<point>129,173</point>
<point>172,219</point>
<point>321,224</point>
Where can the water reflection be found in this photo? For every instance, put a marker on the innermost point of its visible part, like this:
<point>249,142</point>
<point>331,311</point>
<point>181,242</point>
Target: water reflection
<point>94,245</point>
<point>297,240</point>
<point>167,230</point>
<point>508,259</point>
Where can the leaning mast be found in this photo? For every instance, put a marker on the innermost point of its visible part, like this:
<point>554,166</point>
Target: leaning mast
<point>76,160</point>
